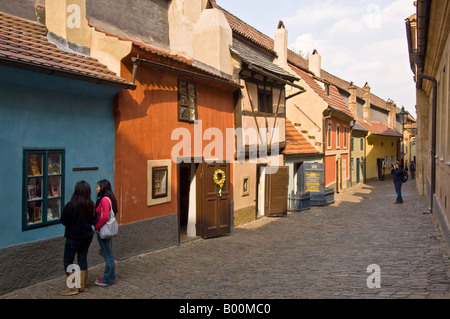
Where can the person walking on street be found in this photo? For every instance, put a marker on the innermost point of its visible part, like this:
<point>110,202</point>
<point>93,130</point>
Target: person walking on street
<point>105,200</point>
<point>412,168</point>
<point>77,217</point>
<point>397,175</point>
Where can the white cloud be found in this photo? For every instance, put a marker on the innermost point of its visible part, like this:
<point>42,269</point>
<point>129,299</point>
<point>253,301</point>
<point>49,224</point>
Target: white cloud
<point>359,40</point>
<point>313,14</point>
<point>306,43</point>
<point>360,43</point>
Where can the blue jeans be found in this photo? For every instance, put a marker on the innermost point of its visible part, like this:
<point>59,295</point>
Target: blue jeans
<point>107,251</point>
<point>398,190</point>
<point>79,247</point>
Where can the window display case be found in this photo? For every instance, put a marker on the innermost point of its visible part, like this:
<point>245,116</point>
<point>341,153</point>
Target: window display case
<point>43,187</point>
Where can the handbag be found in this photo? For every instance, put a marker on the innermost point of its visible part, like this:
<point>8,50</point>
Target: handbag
<point>405,176</point>
<point>111,228</point>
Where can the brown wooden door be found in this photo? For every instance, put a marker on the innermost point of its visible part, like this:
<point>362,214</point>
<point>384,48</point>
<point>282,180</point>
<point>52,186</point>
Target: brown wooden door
<point>277,190</point>
<point>214,212</point>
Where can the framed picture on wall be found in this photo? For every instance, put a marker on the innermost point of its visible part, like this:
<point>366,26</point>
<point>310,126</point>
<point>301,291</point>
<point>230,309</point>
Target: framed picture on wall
<point>159,181</point>
<point>245,185</point>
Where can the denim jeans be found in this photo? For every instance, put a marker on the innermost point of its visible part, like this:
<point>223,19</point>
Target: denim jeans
<point>398,190</point>
<point>107,251</point>
<point>79,247</point>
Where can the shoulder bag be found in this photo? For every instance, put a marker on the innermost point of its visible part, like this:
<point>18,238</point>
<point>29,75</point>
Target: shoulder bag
<point>111,228</point>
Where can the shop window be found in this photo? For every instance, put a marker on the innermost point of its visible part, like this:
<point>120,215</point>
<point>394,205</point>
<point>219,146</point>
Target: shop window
<point>187,101</point>
<point>43,187</point>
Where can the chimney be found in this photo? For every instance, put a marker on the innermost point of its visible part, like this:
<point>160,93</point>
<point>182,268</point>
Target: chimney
<point>315,63</point>
<point>212,33</point>
<point>68,27</point>
<point>352,99</point>
<point>280,45</point>
<point>66,22</point>
<point>392,114</point>
<point>366,107</point>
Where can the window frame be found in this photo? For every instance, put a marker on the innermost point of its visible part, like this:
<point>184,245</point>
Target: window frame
<point>267,92</point>
<point>345,137</point>
<point>184,98</point>
<point>45,177</point>
<point>338,138</point>
<point>329,134</point>
<point>245,186</point>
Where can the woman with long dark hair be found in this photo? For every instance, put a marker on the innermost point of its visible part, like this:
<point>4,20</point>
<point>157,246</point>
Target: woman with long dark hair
<point>77,217</point>
<point>105,200</point>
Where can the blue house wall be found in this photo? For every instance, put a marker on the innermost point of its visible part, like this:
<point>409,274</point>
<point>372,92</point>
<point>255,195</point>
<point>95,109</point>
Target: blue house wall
<point>43,111</point>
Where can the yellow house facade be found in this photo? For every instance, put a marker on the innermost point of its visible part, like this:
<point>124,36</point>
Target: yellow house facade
<point>381,150</point>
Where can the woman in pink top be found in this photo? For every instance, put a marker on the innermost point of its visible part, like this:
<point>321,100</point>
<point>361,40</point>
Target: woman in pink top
<point>105,198</point>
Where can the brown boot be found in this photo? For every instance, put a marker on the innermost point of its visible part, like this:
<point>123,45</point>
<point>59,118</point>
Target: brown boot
<point>69,291</point>
<point>83,279</point>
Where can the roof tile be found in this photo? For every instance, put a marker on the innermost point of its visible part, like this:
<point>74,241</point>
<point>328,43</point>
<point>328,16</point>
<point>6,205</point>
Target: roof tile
<point>24,41</point>
<point>296,143</point>
<point>334,99</point>
<point>378,128</point>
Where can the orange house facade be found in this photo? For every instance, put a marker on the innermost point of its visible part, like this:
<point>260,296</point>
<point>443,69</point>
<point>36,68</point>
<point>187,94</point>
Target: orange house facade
<point>337,152</point>
<point>170,140</point>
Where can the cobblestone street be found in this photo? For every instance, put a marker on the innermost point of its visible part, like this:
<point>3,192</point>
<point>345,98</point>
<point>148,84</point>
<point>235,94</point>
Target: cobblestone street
<point>323,252</point>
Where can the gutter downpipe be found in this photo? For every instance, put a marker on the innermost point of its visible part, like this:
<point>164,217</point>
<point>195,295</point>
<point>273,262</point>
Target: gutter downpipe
<point>433,137</point>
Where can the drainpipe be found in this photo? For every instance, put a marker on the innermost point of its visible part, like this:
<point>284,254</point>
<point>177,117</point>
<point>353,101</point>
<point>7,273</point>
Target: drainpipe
<point>433,138</point>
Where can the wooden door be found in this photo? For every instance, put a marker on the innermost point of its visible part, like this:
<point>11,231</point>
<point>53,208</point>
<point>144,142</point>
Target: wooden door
<point>358,164</point>
<point>213,213</point>
<point>277,192</point>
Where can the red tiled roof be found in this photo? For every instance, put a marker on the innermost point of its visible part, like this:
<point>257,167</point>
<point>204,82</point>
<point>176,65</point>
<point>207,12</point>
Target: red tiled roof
<point>240,27</point>
<point>185,62</point>
<point>296,143</point>
<point>23,43</point>
<point>334,99</point>
<point>344,85</point>
<point>378,128</point>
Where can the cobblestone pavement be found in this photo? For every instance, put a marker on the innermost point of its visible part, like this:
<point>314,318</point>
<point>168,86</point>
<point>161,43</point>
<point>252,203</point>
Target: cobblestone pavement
<point>323,252</point>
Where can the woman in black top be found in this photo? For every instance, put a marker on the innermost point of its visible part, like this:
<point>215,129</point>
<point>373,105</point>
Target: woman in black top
<point>397,176</point>
<point>78,216</point>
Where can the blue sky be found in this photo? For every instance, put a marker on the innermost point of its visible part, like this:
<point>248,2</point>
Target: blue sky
<point>359,40</point>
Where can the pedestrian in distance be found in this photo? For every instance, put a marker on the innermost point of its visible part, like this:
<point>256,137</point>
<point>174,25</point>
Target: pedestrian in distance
<point>77,217</point>
<point>412,168</point>
<point>105,200</point>
<point>397,175</point>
